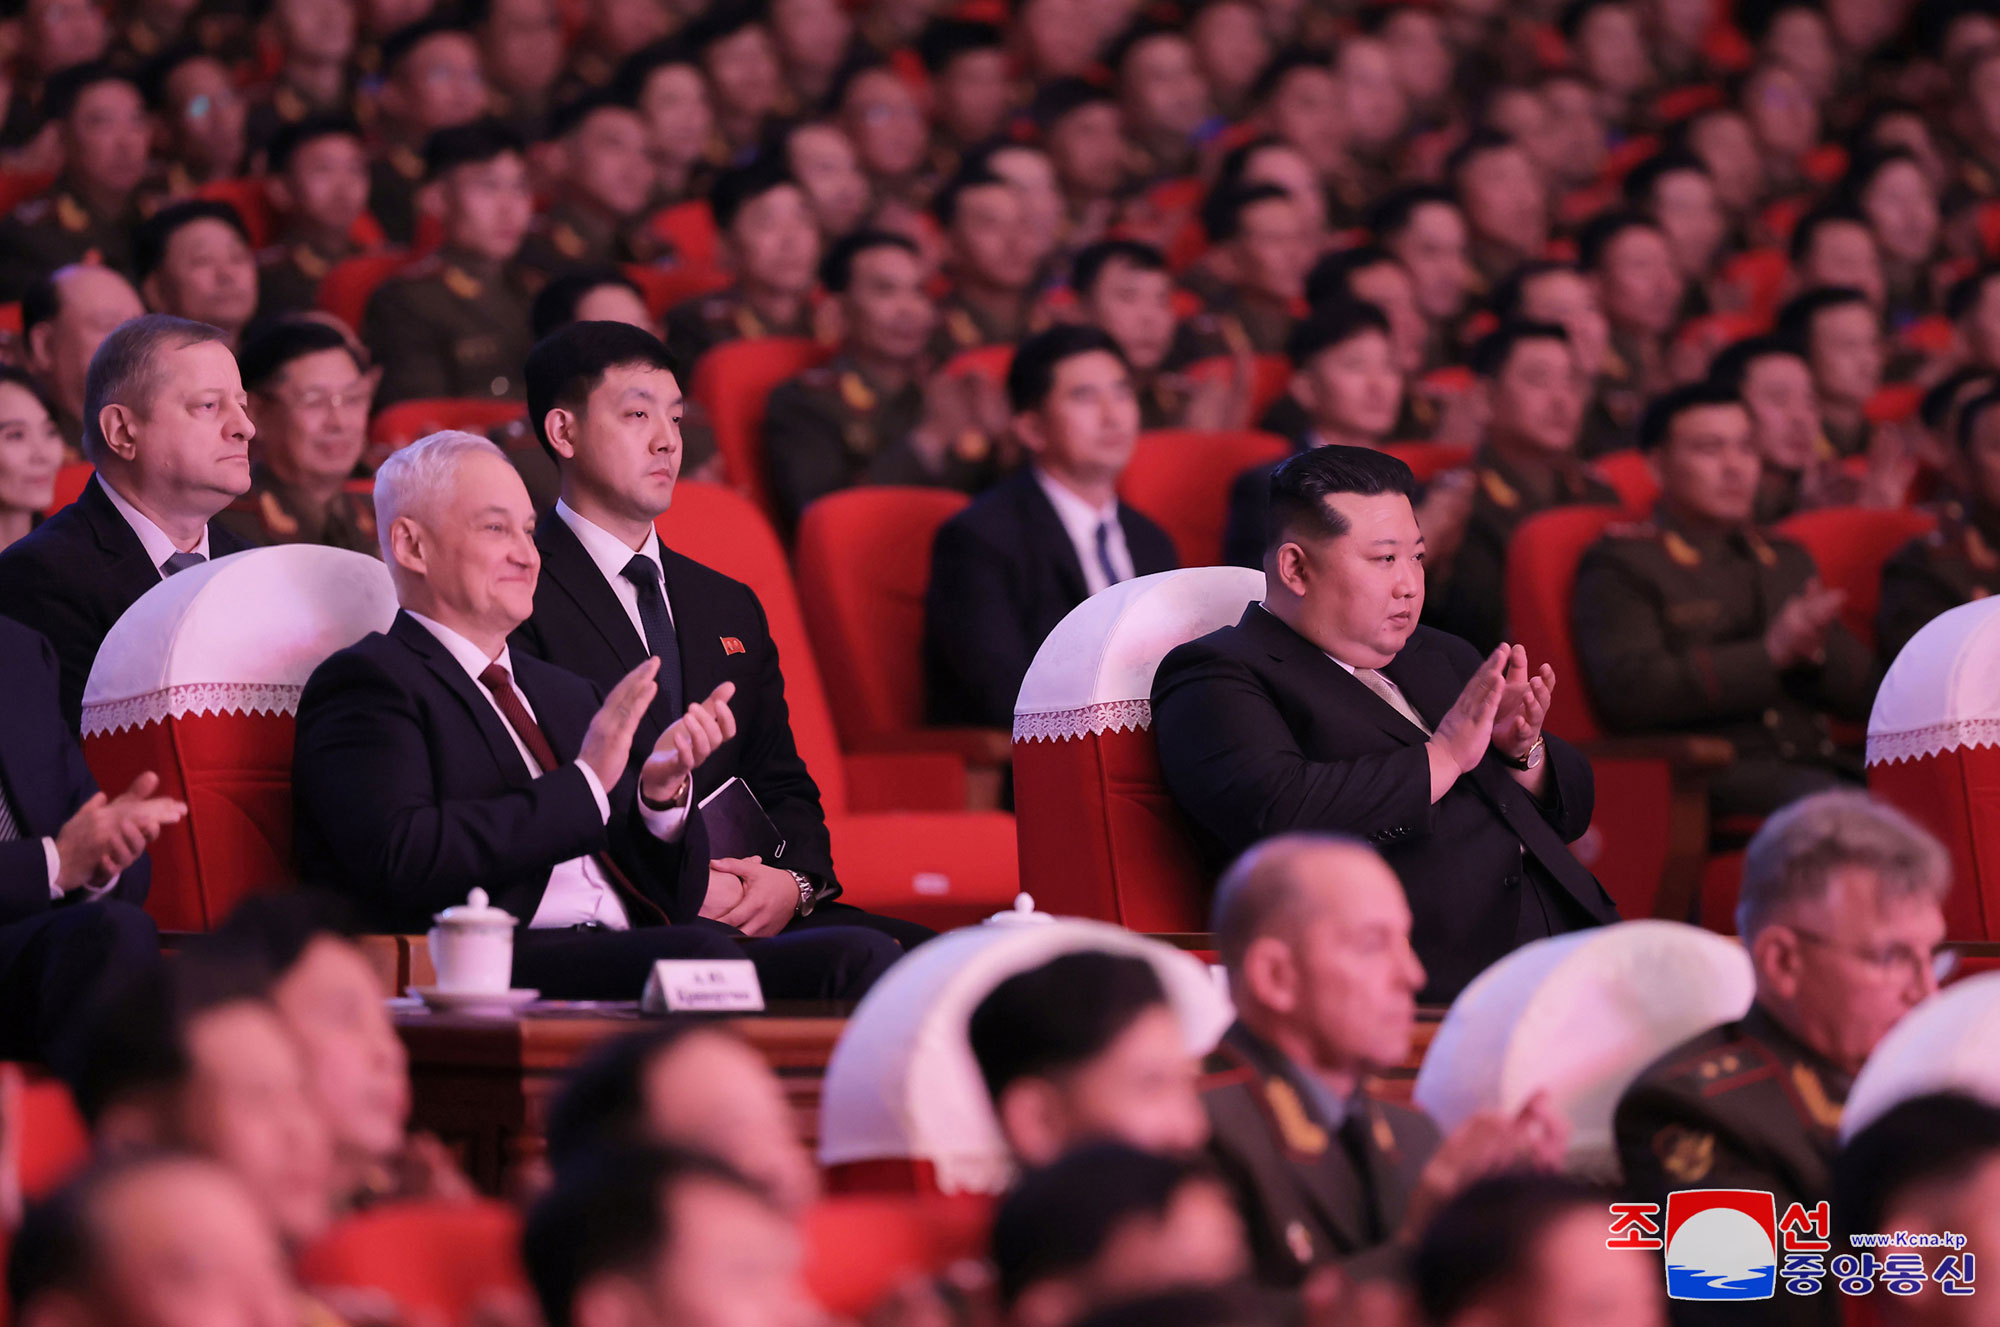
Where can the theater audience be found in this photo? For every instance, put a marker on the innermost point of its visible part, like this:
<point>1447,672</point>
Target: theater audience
<point>65,316</point>
<point>1841,911</point>
<point>990,259</point>
<point>167,430</point>
<point>1698,621</point>
<point>31,451</point>
<point>767,230</point>
<point>605,402</point>
<point>1086,1048</point>
<point>318,185</point>
<point>1960,561</point>
<point>425,765</point>
<point>1125,290</point>
<point>93,207</point>
<point>1841,333</point>
<point>431,81</point>
<point>193,260</point>
<point>1256,269</point>
<point>1327,707</point>
<point>1007,569</point>
<point>1315,935</point>
<point>602,194</point>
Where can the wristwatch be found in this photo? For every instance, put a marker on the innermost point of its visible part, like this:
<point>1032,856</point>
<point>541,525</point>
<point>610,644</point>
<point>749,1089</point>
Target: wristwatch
<point>808,892</point>
<point>1529,761</point>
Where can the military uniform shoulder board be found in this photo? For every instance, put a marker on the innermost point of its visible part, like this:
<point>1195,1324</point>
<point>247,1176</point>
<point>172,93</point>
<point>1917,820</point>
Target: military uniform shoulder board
<point>307,260</point>
<point>1812,1097</point>
<point>274,516</point>
<point>1761,549</point>
<point>960,327</point>
<point>1686,1155</point>
<point>70,214</point>
<point>1300,1134</point>
<point>1980,553</point>
<point>855,393</point>
<point>406,162</point>
<point>748,325</point>
<point>1680,550</point>
<point>289,105</point>
<point>462,283</point>
<point>1498,491</point>
<point>567,241</point>
<point>971,446</point>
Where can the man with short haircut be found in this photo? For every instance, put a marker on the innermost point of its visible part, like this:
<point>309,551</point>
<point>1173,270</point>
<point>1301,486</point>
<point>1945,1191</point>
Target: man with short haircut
<point>1775,383</point>
<point>767,228</point>
<point>166,426</point>
<point>93,207</point>
<point>605,402</point>
<point>1424,228</point>
<point>1165,101</point>
<point>65,316</point>
<point>1079,123</point>
<point>431,81</point>
<point>1125,290</point>
<point>1974,307</point>
<point>132,1234</point>
<point>1257,266</point>
<point>1327,707</point>
<point>1841,910</point>
<point>456,323</point>
<point>1641,291</point>
<point>433,760</point>
<point>1833,248</point>
<point>202,110</point>
<point>1529,1251</point>
<point>1556,292</point>
<point>687,1085</point>
<point>193,260</point>
<point>1106,1224</point>
<point>991,260</point>
<point>1959,561</point>
<point>1505,201</point>
<point>1315,935</point>
<point>1008,568</point>
<point>604,192</point>
<point>1840,331</point>
<point>1675,189</point>
<point>309,398</point>
<point>1697,621</point>
<point>971,77</point>
<point>645,1238</point>
<point>876,413</point>
<point>1087,1048</point>
<point>318,185</point>
<point>1526,464</point>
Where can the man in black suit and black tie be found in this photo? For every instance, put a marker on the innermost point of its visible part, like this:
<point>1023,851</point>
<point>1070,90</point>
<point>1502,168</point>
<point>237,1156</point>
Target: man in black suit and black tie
<point>168,428</point>
<point>605,400</point>
<point>1328,708</point>
<point>1011,566</point>
<point>433,759</point>
<point>73,868</point>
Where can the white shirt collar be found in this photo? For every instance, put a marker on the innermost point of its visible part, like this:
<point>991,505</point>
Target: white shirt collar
<point>1343,663</point>
<point>159,545</point>
<point>1078,517</point>
<point>470,657</point>
<point>607,550</point>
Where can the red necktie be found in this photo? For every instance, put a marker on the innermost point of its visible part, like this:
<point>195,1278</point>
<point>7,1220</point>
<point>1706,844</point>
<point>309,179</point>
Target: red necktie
<point>496,680</point>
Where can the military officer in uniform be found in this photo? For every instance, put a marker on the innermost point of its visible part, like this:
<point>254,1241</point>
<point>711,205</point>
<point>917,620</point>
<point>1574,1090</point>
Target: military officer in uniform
<point>457,323</point>
<point>767,225</point>
<point>431,81</point>
<point>319,184</point>
<point>869,415</point>
<point>1841,909</point>
<point>1960,561</point>
<point>991,260</point>
<point>602,197</point>
<point>1256,272</point>
<point>1699,622</point>
<point>1526,465</point>
<point>1315,933</point>
<point>91,212</point>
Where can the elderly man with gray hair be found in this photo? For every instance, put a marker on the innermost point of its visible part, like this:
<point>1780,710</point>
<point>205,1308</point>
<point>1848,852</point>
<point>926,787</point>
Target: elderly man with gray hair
<point>167,426</point>
<point>431,760</point>
<point>1841,909</point>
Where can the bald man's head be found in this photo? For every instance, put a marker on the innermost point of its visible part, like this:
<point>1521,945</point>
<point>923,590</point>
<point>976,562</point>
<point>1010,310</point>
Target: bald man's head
<point>1315,932</point>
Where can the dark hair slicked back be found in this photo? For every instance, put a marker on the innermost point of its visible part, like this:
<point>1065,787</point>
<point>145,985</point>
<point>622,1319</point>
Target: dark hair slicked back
<point>1301,486</point>
<point>566,366</point>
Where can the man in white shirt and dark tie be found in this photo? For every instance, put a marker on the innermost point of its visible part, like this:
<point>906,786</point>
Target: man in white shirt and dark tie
<point>168,429</point>
<point>1013,564</point>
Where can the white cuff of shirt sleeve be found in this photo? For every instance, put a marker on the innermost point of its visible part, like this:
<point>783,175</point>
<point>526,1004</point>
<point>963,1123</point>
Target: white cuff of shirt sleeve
<point>668,825</point>
<point>54,860</point>
<point>597,792</point>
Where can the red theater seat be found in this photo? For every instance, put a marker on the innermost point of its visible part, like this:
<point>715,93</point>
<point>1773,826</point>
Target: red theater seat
<point>859,1247</point>
<point>942,868</point>
<point>989,362</point>
<point>690,228</point>
<point>1270,375</point>
<point>665,287</point>
<point>69,484</point>
<point>55,1142</point>
<point>734,382</point>
<point>1428,460</point>
<point>406,421</point>
<point>344,291</point>
<point>1632,475</point>
<point>1849,546</point>
<point>435,1261</point>
<point>1181,477</point>
<point>18,186</point>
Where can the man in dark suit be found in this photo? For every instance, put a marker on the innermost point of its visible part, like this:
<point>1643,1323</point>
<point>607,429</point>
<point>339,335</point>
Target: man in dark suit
<point>605,401</point>
<point>433,760</point>
<point>1316,937</point>
<point>1007,569</point>
<point>73,868</point>
<point>167,429</point>
<point>1327,707</point>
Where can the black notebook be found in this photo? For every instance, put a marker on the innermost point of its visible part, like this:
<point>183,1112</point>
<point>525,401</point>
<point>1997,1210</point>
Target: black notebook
<point>737,825</point>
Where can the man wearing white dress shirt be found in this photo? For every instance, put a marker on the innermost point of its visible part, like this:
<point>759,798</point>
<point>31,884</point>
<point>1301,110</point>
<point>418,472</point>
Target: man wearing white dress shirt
<point>1007,569</point>
<point>167,426</point>
<point>433,759</point>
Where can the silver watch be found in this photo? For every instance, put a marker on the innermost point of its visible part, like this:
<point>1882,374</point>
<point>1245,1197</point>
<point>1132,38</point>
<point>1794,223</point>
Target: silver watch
<point>808,892</point>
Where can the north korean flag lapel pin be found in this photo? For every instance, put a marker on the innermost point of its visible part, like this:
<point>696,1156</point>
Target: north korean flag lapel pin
<point>731,645</point>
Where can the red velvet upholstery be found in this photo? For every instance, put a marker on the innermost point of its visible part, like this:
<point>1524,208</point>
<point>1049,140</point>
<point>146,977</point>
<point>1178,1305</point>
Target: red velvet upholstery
<point>864,558</point>
<point>1428,460</point>
<point>1956,795</point>
<point>18,186</point>
<point>1541,573</point>
<point>665,287</point>
<point>344,291</point>
<point>733,382</point>
<point>70,480</point>
<point>690,228</point>
<point>54,1139</point>
<point>1632,475</point>
<point>989,362</point>
<point>862,1246</point>
<point>252,201</point>
<point>406,421</point>
<point>1181,478</point>
<point>1270,375</point>
<point>1849,545</point>
<point>436,1261</point>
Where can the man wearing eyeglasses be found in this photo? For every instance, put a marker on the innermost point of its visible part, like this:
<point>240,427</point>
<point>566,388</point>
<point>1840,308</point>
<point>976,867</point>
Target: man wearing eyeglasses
<point>309,399</point>
<point>1841,909</point>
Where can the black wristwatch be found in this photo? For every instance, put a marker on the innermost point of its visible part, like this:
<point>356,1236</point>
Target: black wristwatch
<point>808,892</point>
<point>1529,761</point>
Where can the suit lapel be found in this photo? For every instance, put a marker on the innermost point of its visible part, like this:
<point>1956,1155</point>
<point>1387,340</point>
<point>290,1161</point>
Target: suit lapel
<point>119,542</point>
<point>439,660</point>
<point>1310,1144</point>
<point>1044,529</point>
<point>1148,555</point>
<point>699,636</point>
<point>567,566</point>
<point>1294,650</point>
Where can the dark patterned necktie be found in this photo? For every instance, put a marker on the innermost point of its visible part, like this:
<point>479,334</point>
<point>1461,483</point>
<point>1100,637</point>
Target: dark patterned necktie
<point>180,562</point>
<point>644,573</point>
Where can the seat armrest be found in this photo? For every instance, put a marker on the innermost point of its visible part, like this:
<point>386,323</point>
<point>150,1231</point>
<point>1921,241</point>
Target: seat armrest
<point>1690,761</point>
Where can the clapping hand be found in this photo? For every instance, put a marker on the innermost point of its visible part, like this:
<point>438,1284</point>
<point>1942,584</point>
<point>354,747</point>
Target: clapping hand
<point>691,739</point>
<point>1524,705</point>
<point>107,835</point>
<point>1797,635</point>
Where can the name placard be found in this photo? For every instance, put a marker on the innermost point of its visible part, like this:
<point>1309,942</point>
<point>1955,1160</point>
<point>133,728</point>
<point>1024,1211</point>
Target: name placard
<point>703,986</point>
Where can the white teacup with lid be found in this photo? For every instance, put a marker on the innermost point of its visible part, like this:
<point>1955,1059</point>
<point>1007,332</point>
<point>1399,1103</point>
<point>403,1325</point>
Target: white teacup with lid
<point>472,947</point>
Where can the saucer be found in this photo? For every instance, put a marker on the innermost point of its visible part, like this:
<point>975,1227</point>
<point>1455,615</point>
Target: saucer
<point>474,1002</point>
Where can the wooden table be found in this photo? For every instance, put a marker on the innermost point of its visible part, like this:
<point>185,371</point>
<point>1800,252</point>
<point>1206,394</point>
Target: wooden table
<point>484,1084</point>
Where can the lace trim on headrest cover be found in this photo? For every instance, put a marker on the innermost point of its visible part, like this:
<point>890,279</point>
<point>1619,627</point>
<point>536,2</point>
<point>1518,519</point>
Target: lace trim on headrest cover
<point>1109,716</point>
<point>1932,739</point>
<point>194,698</point>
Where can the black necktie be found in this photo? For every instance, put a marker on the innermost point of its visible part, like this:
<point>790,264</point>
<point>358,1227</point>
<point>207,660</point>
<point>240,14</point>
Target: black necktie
<point>644,573</point>
<point>1354,1133</point>
<point>1111,576</point>
<point>179,562</point>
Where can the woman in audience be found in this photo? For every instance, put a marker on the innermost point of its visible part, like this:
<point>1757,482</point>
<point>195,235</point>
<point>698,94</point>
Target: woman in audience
<point>30,454</point>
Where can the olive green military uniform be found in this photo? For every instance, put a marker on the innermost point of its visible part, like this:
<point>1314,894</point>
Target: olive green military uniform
<point>451,326</point>
<point>393,181</point>
<point>288,275</point>
<point>1472,602</point>
<point>271,513</point>
<point>1742,1106</point>
<point>58,229</point>
<point>1317,1180</point>
<point>830,428</point>
<point>1954,565</point>
<point>570,235</point>
<point>1669,626</point>
<point>963,326</point>
<point>697,326</point>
